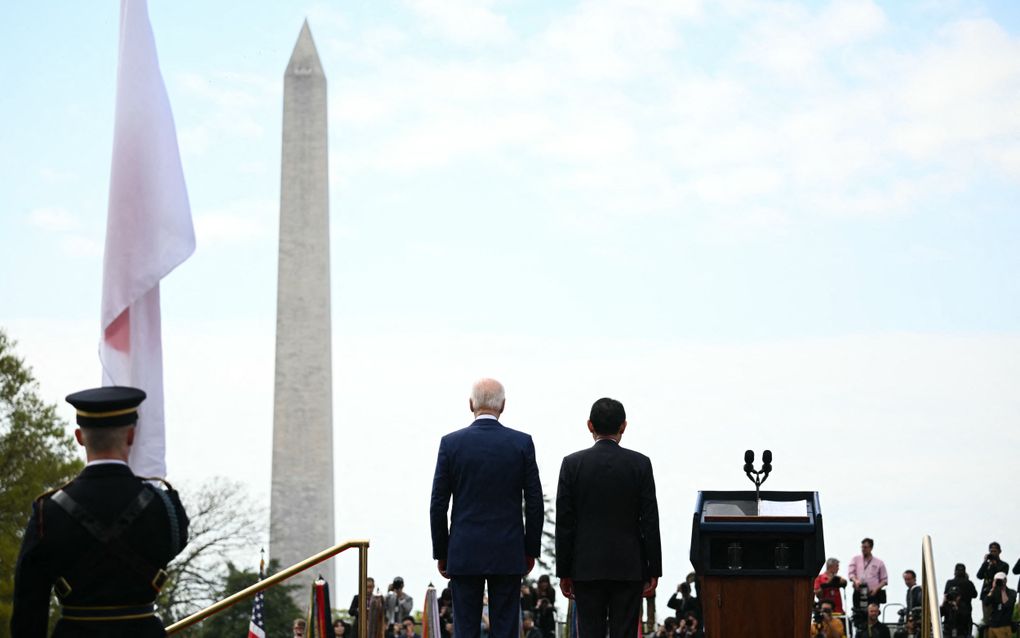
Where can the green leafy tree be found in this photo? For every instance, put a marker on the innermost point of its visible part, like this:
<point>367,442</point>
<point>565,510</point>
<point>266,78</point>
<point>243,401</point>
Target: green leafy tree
<point>280,610</point>
<point>36,455</point>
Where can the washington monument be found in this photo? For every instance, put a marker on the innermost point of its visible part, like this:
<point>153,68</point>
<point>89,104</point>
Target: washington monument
<point>301,505</point>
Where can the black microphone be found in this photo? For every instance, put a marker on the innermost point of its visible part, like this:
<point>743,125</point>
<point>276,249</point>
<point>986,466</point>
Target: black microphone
<point>766,457</point>
<point>749,456</point>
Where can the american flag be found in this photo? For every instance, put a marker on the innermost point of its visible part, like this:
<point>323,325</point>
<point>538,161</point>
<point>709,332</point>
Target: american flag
<point>257,626</point>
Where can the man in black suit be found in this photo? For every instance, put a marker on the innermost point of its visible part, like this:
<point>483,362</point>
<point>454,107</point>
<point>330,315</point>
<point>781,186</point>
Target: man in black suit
<point>355,610</point>
<point>488,469</point>
<point>102,541</point>
<point>608,552</point>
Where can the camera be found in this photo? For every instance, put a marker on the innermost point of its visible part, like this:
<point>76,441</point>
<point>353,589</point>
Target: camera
<point>816,616</point>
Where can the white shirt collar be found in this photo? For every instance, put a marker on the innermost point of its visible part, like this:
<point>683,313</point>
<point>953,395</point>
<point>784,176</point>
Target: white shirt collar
<point>105,462</point>
<point>486,416</point>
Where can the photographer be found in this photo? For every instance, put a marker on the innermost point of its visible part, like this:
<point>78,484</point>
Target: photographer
<point>828,584</point>
<point>690,627</point>
<point>868,574</point>
<point>823,624</point>
<point>999,600</point>
<point>960,591</point>
<point>398,604</point>
<point>911,628</point>
<point>954,621</point>
<point>667,629</point>
<point>991,566</point>
<point>682,602</point>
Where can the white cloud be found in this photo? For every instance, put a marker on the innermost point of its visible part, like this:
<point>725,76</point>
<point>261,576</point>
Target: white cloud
<point>225,108</point>
<point>787,39</point>
<point>236,223</point>
<point>59,220</point>
<point>464,22</point>
<point>72,239</point>
<point>962,92</point>
<point>858,125</point>
<point>81,246</point>
<point>57,176</point>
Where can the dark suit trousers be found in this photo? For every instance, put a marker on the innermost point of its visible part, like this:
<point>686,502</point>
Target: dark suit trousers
<point>504,605</point>
<point>612,603</point>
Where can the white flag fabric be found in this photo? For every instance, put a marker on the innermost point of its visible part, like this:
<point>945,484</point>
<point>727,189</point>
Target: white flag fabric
<point>148,232</point>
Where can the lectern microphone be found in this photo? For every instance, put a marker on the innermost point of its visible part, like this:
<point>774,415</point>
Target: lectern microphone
<point>759,476</point>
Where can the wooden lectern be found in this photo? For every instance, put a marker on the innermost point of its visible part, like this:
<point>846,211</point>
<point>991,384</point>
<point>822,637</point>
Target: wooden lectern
<point>756,562</point>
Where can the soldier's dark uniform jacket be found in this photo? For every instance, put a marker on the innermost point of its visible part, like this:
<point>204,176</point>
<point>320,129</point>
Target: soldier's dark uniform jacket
<point>101,542</point>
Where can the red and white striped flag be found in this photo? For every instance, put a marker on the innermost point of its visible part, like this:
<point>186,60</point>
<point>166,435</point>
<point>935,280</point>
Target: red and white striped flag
<point>148,232</point>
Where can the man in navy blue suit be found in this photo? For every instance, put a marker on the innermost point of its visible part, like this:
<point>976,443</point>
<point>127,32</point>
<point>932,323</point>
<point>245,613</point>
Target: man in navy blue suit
<point>487,468</point>
<point>608,550</point>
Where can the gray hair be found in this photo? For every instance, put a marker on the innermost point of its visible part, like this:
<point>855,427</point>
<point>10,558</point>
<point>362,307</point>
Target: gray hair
<point>488,394</point>
<point>832,561</point>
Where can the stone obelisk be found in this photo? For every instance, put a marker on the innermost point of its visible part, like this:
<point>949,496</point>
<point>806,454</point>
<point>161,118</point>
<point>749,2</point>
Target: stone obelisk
<point>301,505</point>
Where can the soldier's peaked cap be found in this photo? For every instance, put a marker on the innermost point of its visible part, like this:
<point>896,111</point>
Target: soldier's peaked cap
<point>108,407</point>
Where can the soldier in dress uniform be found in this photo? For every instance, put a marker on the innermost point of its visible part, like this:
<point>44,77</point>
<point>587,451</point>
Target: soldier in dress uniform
<point>102,542</point>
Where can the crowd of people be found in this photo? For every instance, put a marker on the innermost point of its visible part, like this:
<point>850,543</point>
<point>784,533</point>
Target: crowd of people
<point>845,605</point>
<point>538,612</point>
<point>868,578</point>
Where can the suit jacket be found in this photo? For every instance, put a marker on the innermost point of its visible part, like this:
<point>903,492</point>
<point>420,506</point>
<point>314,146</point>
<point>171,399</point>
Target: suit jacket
<point>57,546</point>
<point>607,518</point>
<point>486,468</point>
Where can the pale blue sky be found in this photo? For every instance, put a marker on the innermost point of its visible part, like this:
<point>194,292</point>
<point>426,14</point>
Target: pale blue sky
<point>785,224</point>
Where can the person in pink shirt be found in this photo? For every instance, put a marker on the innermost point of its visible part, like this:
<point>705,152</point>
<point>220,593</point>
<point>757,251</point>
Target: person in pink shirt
<point>867,572</point>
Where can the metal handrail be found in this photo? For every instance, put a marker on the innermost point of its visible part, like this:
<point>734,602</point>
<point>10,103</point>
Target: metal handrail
<point>931,620</point>
<point>283,575</point>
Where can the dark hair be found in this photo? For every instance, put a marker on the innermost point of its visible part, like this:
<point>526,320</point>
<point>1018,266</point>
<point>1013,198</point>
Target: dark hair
<point>607,415</point>
<point>406,618</point>
<point>912,573</point>
<point>869,541</point>
<point>997,546</point>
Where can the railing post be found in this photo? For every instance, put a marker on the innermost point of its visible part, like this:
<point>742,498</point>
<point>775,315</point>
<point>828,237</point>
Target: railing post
<point>930,618</point>
<point>268,582</point>
<point>363,592</point>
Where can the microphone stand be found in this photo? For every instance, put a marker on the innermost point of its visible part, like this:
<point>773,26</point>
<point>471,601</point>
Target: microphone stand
<point>757,476</point>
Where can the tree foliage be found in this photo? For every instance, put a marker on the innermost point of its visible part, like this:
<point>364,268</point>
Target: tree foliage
<point>224,524</point>
<point>547,559</point>
<point>280,610</point>
<point>36,455</point>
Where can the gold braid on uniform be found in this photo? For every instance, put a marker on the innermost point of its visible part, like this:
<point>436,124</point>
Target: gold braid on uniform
<point>38,504</point>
